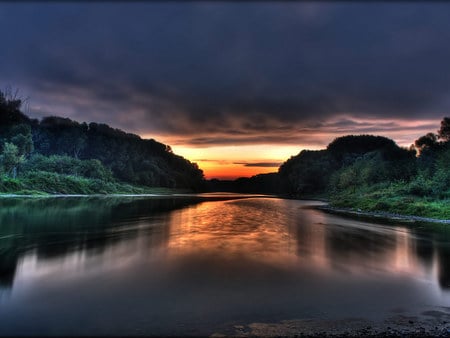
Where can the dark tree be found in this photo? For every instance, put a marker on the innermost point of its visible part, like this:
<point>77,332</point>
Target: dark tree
<point>444,132</point>
<point>426,141</point>
<point>10,111</point>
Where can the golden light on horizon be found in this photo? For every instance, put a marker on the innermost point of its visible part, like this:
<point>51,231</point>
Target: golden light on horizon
<point>231,162</point>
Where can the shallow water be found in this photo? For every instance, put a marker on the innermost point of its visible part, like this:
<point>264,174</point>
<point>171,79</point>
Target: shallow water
<point>199,265</point>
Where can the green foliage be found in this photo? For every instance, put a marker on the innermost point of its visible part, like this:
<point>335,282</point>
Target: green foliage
<point>393,198</point>
<point>307,173</point>
<point>10,184</point>
<point>11,158</point>
<point>347,163</point>
<point>69,166</point>
<point>44,182</point>
<point>130,158</point>
<point>24,144</point>
<point>372,168</point>
<point>421,186</point>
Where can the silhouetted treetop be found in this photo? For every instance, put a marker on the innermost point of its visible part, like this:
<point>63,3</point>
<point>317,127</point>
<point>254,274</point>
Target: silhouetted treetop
<point>10,111</point>
<point>359,144</point>
<point>429,140</point>
<point>444,131</point>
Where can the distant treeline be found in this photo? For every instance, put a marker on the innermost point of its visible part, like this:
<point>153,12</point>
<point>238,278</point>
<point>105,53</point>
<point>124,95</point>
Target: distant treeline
<point>258,184</point>
<point>34,150</point>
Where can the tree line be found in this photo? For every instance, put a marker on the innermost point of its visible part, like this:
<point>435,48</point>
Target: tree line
<point>57,145</point>
<point>356,161</point>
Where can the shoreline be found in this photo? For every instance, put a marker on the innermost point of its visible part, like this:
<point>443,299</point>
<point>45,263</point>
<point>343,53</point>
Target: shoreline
<point>429,323</point>
<point>381,215</point>
<point>84,195</point>
<point>349,212</point>
<point>211,195</point>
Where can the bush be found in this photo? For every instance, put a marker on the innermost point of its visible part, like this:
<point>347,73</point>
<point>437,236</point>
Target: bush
<point>68,166</point>
<point>8,184</point>
<point>419,187</point>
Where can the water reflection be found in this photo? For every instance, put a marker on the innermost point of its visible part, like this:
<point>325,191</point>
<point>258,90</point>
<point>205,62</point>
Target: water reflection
<point>280,232</point>
<point>164,266</point>
<point>51,229</point>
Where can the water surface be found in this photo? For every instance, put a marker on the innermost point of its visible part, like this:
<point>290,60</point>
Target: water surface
<point>199,265</point>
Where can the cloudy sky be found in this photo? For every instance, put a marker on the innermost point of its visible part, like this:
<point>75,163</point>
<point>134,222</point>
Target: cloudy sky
<point>236,87</point>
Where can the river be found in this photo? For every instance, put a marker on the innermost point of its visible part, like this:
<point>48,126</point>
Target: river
<point>198,265</point>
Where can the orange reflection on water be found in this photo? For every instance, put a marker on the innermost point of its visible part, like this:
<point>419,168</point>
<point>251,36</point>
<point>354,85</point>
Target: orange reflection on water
<point>403,258</point>
<point>233,229</point>
<point>282,232</point>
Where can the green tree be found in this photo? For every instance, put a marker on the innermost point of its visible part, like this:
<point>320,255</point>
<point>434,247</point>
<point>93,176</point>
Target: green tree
<point>11,158</point>
<point>20,136</point>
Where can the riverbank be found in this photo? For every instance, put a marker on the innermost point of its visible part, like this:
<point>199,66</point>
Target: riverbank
<point>52,184</point>
<point>393,199</point>
<point>155,194</point>
<point>381,215</point>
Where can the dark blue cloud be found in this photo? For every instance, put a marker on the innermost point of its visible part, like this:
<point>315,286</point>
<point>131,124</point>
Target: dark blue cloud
<point>260,164</point>
<point>228,68</point>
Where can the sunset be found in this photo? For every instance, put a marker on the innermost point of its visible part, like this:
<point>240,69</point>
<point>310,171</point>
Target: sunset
<point>225,169</point>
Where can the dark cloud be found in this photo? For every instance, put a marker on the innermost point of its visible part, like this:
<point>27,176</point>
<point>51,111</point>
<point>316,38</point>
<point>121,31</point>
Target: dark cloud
<point>260,164</point>
<point>229,73</point>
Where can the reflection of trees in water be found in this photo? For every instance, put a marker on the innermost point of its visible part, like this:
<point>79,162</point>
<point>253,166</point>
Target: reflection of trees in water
<point>443,252</point>
<point>57,227</point>
<point>350,248</point>
<point>54,228</point>
<point>434,244</point>
<point>424,249</point>
<point>346,243</point>
<point>8,265</point>
<point>347,246</point>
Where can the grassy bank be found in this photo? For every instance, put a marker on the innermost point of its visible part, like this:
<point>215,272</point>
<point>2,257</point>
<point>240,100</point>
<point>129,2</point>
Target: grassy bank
<point>393,198</point>
<point>46,183</point>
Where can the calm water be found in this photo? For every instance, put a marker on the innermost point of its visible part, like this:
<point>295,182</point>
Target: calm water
<point>199,266</point>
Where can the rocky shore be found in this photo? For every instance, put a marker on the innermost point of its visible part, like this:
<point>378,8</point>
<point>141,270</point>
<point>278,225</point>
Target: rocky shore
<point>434,323</point>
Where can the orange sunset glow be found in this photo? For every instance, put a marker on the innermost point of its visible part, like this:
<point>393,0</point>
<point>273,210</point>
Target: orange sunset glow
<point>229,162</point>
<point>237,161</point>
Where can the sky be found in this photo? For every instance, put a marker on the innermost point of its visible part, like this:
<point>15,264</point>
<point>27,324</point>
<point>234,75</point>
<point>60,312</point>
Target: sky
<point>236,87</point>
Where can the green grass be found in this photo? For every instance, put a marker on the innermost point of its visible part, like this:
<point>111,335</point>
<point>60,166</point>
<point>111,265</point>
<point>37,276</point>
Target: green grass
<point>393,198</point>
<point>47,183</point>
